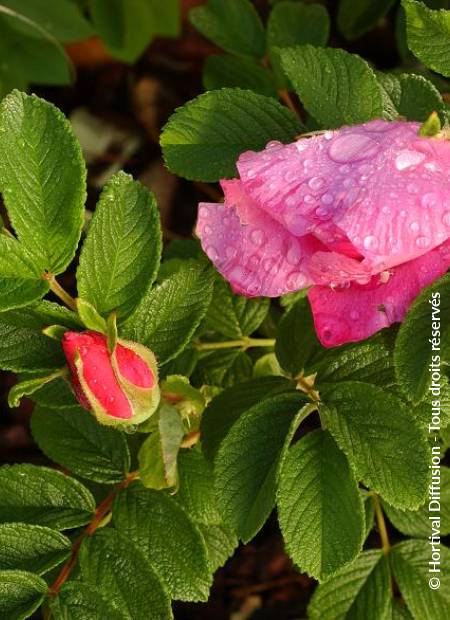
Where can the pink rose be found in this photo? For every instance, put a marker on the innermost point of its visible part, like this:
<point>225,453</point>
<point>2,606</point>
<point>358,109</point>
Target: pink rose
<point>119,388</point>
<point>361,215</point>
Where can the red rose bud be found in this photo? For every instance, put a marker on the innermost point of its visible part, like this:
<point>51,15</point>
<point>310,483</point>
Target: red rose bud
<point>119,388</point>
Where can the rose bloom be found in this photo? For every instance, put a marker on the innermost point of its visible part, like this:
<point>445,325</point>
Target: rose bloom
<point>361,215</point>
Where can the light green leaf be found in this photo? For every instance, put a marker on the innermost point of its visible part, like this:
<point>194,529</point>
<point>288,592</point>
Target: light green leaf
<point>158,454</point>
<point>120,257</point>
<point>235,26</point>
<point>355,17</point>
<point>223,411</point>
<point>296,340</point>
<point>28,387</point>
<point>120,570</point>
<point>409,95</point>
<point>203,139</point>
<point>168,315</point>
<point>229,71</point>
<point>410,565</point>
<point>413,351</point>
<point>90,317</point>
<point>381,439</point>
<point>57,394</point>
<point>43,496</point>
<point>42,314</point>
<point>234,316</point>
<point>418,523</point>
<point>79,601</point>
<point>220,543</point>
<point>336,88</point>
<point>31,547</point>
<point>20,281</point>
<point>168,537</point>
<point>428,34</point>
<point>359,590</point>
<point>42,179</point>
<point>319,506</point>
<point>74,439</point>
<point>21,593</point>
<point>246,467</point>
<point>127,28</point>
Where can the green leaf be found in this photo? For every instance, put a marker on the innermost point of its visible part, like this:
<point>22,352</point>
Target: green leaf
<point>74,439</point>
<point>20,281</point>
<point>409,95</point>
<point>63,20</point>
<point>127,28</point>
<point>23,348</point>
<point>21,593</point>
<point>120,257</point>
<point>231,71</point>
<point>168,537</point>
<point>42,179</point>
<point>398,611</point>
<point>79,601</point>
<point>57,394</point>
<point>121,570</point>
<point>246,467</point>
<point>234,316</point>
<point>220,542</point>
<point>296,338</point>
<point>168,315</point>
<point>319,506</point>
<point>31,547</point>
<point>158,454</point>
<point>428,32</point>
<point>28,387</point>
<point>356,17</point>
<point>410,564</point>
<point>223,411</point>
<point>90,317</point>
<point>359,590</point>
<point>42,314</point>
<point>43,496</point>
<point>413,351</point>
<point>336,88</point>
<point>203,139</point>
<point>369,361</point>
<point>295,23</point>
<point>235,26</point>
<point>418,523</point>
<point>224,368</point>
<point>381,439</point>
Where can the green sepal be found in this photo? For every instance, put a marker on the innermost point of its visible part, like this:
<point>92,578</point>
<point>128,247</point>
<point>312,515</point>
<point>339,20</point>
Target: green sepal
<point>431,127</point>
<point>90,317</point>
<point>56,332</point>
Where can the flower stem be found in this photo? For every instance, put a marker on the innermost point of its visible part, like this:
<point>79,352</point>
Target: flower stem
<point>243,343</point>
<point>386,546</point>
<point>62,293</point>
<point>102,511</point>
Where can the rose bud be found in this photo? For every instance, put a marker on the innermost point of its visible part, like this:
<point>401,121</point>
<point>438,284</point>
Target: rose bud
<point>119,387</point>
<point>360,214</point>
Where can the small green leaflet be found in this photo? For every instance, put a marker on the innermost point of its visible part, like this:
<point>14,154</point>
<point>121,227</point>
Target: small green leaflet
<point>246,467</point>
<point>359,590</point>
<point>428,33</point>
<point>120,570</point>
<point>31,547</point>
<point>21,593</point>
<point>29,387</point>
<point>381,439</point>
<point>43,496</point>
<point>234,25</point>
<point>320,509</point>
<point>42,179</point>
<point>163,530</point>
<point>203,139</point>
<point>74,439</point>
<point>336,88</point>
<point>408,95</point>
<point>121,254</point>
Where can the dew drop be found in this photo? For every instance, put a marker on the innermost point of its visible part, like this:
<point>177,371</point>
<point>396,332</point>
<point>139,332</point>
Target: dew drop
<point>203,212</point>
<point>370,242</point>
<point>111,399</point>
<point>301,145</point>
<point>230,252</point>
<point>422,242</point>
<point>328,135</point>
<point>446,218</point>
<point>407,158</point>
<point>207,230</point>
<point>415,226</point>
<point>327,199</point>
<point>309,199</point>
<point>212,252</point>
<point>257,236</point>
<point>352,147</point>
<point>316,183</point>
<point>323,212</point>
<point>296,280</point>
<point>429,200</point>
<point>293,255</point>
<point>354,314</point>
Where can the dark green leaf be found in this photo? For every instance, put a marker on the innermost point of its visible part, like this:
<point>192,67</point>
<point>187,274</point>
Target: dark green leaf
<point>224,368</point>
<point>21,594</point>
<point>355,17</point>
<point>409,95</point>
<point>231,71</point>
<point>79,601</point>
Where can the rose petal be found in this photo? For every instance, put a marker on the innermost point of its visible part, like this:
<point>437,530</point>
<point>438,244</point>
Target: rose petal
<point>355,313</point>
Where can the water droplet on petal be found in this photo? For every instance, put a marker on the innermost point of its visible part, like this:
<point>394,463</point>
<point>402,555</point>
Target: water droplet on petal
<point>323,212</point>
<point>212,252</point>
<point>415,226</point>
<point>203,212</point>
<point>327,199</point>
<point>423,242</point>
<point>352,147</point>
<point>316,182</point>
<point>354,314</point>
<point>293,255</point>
<point>370,242</point>
<point>257,236</point>
<point>309,199</point>
<point>407,158</point>
<point>230,252</point>
<point>446,218</point>
<point>429,200</point>
<point>207,230</point>
<point>301,145</point>
<point>270,265</point>
<point>296,280</point>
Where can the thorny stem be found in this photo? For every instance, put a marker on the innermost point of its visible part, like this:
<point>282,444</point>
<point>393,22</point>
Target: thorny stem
<point>101,513</point>
<point>243,343</point>
<point>386,546</point>
<point>60,292</point>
